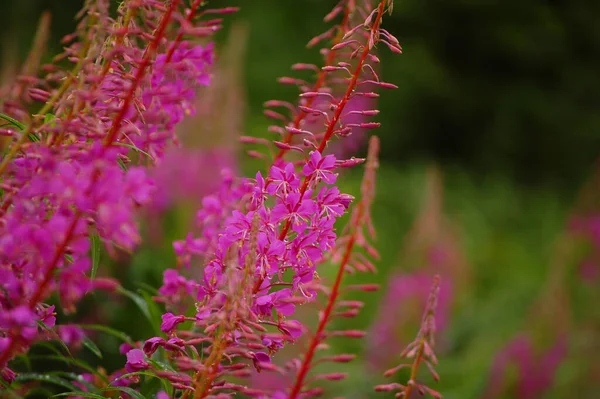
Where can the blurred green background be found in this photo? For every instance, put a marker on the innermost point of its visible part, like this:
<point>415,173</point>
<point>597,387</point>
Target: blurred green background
<point>502,95</point>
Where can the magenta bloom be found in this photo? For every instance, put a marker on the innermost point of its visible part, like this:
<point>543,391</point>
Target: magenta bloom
<point>136,361</point>
<point>170,321</point>
<point>320,167</point>
<point>535,371</point>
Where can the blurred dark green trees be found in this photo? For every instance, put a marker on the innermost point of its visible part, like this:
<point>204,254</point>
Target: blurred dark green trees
<point>509,87</point>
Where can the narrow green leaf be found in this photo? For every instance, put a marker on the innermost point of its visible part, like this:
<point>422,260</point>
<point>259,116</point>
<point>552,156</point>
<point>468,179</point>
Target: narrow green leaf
<point>78,363</point>
<point>134,148</point>
<point>148,386</point>
<point>138,300</point>
<point>142,304</point>
<point>161,365</point>
<point>129,391</point>
<point>147,288</point>
<point>12,121</point>
<point>35,392</point>
<point>75,377</point>
<point>95,255</point>
<point>108,330</point>
<point>122,164</point>
<point>45,378</point>
<point>82,394</point>
<point>52,347</point>
<point>88,343</point>
<point>56,338</point>
<point>155,312</point>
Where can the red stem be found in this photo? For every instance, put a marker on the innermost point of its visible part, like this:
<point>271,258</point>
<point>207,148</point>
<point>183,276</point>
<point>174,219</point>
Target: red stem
<point>116,126</point>
<point>332,123</point>
<point>317,337</point>
<point>318,85</point>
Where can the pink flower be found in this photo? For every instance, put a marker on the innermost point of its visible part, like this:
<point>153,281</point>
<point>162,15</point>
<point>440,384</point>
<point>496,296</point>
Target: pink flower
<point>320,167</point>
<point>136,361</point>
<point>170,321</point>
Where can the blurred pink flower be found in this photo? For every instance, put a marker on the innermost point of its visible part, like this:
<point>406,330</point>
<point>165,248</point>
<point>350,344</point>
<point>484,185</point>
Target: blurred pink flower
<point>535,371</point>
<point>401,309</point>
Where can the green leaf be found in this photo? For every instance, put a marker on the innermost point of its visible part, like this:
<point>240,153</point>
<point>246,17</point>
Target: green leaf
<point>45,378</point>
<point>144,306</point>
<point>78,363</point>
<point>147,288</point>
<point>75,377</point>
<point>122,164</point>
<point>82,394</point>
<point>161,365</point>
<point>134,148</point>
<point>88,343</point>
<point>49,118</point>
<point>155,312</point>
<point>19,125</point>
<point>95,255</point>
<point>56,338</point>
<point>131,392</point>
<point>12,121</point>
<point>108,330</point>
<point>33,138</point>
<point>52,347</point>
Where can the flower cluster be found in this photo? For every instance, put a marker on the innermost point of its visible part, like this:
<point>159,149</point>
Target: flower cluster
<point>75,175</point>
<point>69,178</point>
<point>262,239</point>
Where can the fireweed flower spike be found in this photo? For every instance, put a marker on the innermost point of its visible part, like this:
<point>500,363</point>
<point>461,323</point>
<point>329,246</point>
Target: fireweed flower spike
<point>274,230</point>
<point>356,235</point>
<point>421,351</point>
<point>70,172</point>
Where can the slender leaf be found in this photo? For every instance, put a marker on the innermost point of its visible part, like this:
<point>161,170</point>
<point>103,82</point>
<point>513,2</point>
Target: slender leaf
<point>88,343</point>
<point>82,394</point>
<point>34,138</point>
<point>108,330</point>
<point>95,255</point>
<point>57,339</point>
<point>147,287</point>
<point>77,363</point>
<point>143,305</point>
<point>12,121</point>
<point>122,164</point>
<point>134,148</point>
<point>129,391</point>
<point>161,365</point>
<point>155,312</point>
<point>45,378</point>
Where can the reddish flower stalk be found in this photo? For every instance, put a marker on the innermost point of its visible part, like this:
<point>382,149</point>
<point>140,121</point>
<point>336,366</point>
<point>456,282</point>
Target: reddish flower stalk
<point>296,211</point>
<point>421,351</point>
<point>360,218</point>
<point>332,123</point>
<point>342,28</point>
<point>142,69</point>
